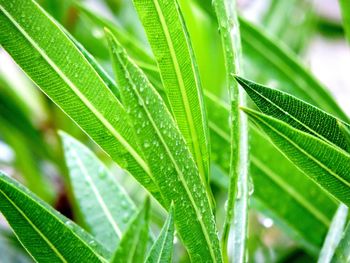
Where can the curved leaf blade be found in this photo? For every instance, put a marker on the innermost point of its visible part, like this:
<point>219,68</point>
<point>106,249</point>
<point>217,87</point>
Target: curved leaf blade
<point>169,158</point>
<point>169,40</point>
<point>334,234</point>
<point>162,249</point>
<point>295,112</point>
<point>132,246</point>
<point>104,204</point>
<point>33,221</point>
<point>342,253</point>
<point>328,166</point>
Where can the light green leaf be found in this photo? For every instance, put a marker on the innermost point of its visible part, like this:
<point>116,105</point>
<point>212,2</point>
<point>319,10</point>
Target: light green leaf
<point>33,222</point>
<point>104,204</point>
<point>345,11</point>
<point>170,160</point>
<point>342,253</point>
<point>296,113</point>
<point>277,182</point>
<point>346,133</point>
<point>168,37</point>
<point>162,249</point>
<point>64,74</point>
<point>334,234</point>
<point>325,164</point>
<point>132,246</point>
<point>281,64</point>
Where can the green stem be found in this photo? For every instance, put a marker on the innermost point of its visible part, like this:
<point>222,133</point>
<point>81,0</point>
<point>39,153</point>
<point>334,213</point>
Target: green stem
<point>237,203</point>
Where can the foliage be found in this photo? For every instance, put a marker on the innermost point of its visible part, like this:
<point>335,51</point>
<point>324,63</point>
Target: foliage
<point>169,152</point>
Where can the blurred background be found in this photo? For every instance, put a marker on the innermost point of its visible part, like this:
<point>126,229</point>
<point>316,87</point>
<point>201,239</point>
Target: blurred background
<point>30,149</point>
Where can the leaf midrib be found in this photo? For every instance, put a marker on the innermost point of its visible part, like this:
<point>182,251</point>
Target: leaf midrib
<point>189,117</point>
<point>54,249</point>
<point>300,122</point>
<point>96,193</point>
<point>299,198</point>
<point>81,96</point>
<point>179,172</point>
<point>321,165</point>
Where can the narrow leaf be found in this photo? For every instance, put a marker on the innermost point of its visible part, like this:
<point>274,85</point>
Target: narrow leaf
<point>64,74</point>
<point>326,165</point>
<point>237,202</point>
<point>334,234</point>
<point>33,222</point>
<point>168,37</point>
<point>104,204</point>
<point>162,249</point>
<point>342,253</point>
<point>295,112</point>
<point>282,64</point>
<point>170,160</point>
<point>277,182</point>
<point>132,246</point>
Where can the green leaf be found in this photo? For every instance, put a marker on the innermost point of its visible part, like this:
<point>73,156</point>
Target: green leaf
<point>345,11</point>
<point>132,246</point>
<point>342,252</point>
<point>334,234</point>
<point>237,202</point>
<point>168,37</point>
<point>325,164</point>
<point>296,113</point>
<point>277,182</point>
<point>162,249</point>
<point>346,133</point>
<point>104,204</point>
<point>281,64</point>
<point>33,222</point>
<point>170,160</point>
<point>64,75</point>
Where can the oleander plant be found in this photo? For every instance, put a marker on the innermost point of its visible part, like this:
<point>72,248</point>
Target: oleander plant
<point>169,131</point>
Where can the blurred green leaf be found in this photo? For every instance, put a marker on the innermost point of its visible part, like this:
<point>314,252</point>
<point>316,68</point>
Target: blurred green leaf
<point>345,11</point>
<point>132,246</point>
<point>104,204</point>
<point>170,161</point>
<point>334,234</point>
<point>33,221</point>
<point>282,65</point>
<point>327,165</point>
<point>162,249</point>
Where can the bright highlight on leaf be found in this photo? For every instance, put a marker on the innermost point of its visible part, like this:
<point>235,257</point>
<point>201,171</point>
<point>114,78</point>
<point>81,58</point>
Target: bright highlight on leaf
<point>104,204</point>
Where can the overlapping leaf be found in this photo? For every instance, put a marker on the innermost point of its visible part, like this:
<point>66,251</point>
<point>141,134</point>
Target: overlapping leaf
<point>277,181</point>
<point>169,158</point>
<point>33,222</point>
<point>132,246</point>
<point>162,249</point>
<point>168,37</point>
<point>325,164</point>
<point>57,66</point>
<point>296,113</point>
<point>105,206</point>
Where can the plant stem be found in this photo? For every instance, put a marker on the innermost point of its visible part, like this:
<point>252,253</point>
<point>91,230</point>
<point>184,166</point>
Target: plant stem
<point>237,203</point>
